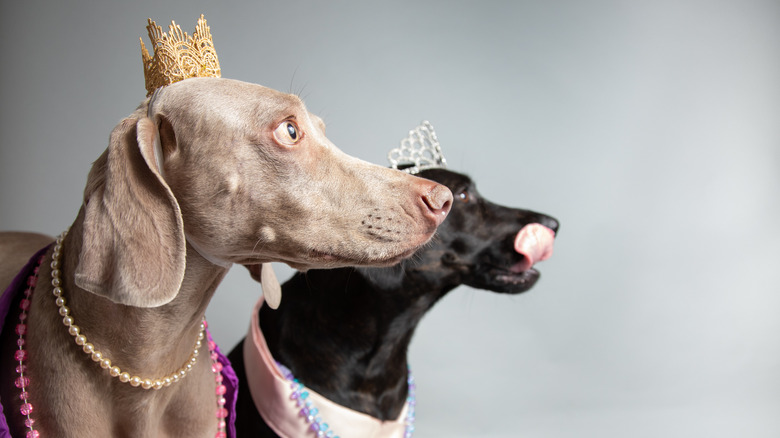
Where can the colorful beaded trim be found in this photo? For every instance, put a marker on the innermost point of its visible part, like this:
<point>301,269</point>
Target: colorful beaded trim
<point>317,424</point>
<point>22,382</point>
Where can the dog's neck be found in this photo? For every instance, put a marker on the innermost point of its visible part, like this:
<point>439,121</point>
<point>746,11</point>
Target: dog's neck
<point>150,342</point>
<point>347,339</point>
<point>153,340</point>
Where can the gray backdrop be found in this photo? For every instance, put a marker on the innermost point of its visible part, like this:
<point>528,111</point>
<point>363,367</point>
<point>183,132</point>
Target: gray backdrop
<point>650,129</point>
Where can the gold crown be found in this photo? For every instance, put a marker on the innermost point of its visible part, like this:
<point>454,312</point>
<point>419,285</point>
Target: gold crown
<point>178,56</point>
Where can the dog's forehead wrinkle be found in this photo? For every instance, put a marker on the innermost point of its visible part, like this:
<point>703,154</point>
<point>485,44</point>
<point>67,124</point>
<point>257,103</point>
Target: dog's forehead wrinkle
<point>263,116</point>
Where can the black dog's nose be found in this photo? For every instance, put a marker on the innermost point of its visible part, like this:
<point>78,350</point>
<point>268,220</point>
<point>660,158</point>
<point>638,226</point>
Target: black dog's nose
<point>543,219</point>
<point>551,223</point>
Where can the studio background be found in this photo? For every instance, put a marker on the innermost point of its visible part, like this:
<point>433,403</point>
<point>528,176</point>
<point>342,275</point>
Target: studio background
<point>649,129</point>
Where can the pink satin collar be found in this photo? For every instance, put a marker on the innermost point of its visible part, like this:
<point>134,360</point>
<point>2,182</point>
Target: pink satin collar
<point>271,394</point>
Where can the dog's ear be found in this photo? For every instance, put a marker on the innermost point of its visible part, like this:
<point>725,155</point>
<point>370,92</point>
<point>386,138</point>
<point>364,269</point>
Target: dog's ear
<point>133,250</point>
<point>265,275</point>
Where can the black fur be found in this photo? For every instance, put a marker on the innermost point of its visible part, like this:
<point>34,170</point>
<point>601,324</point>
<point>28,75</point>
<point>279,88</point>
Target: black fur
<point>344,332</point>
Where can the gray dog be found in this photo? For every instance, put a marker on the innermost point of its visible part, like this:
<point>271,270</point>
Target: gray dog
<point>242,174</point>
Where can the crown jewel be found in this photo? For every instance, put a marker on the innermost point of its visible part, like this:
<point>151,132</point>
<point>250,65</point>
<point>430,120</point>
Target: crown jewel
<point>178,56</point>
<point>418,151</point>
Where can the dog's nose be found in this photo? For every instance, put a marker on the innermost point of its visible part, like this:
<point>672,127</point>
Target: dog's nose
<point>530,217</point>
<point>550,223</point>
<point>438,200</point>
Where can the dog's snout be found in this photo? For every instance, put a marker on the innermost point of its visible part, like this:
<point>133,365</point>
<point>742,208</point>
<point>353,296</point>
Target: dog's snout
<point>438,200</point>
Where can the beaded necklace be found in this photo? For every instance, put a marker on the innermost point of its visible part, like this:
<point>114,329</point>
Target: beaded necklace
<point>317,424</point>
<point>23,381</point>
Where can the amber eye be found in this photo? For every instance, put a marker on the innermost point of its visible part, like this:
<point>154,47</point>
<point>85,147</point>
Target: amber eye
<point>288,133</point>
<point>464,196</point>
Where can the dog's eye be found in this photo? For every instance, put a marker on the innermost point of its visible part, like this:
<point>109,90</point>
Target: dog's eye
<point>288,133</point>
<point>464,196</point>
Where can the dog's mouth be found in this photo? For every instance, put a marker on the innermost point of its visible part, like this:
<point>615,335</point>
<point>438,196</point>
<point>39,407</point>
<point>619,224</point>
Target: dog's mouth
<point>533,244</point>
<point>514,281</point>
<point>502,279</point>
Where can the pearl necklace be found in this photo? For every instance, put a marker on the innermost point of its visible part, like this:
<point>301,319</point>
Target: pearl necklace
<point>317,424</point>
<point>23,381</point>
<point>97,356</point>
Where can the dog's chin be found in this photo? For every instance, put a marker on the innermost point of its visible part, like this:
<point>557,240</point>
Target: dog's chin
<point>505,281</point>
<point>325,260</point>
<point>392,260</point>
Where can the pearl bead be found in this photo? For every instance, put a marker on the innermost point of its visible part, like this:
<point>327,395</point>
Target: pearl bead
<point>157,384</point>
<point>146,383</point>
<point>74,330</point>
<point>115,372</point>
<point>124,377</point>
<point>135,381</point>
<point>81,340</point>
<point>68,320</point>
<point>56,282</point>
<point>97,356</point>
<point>105,363</point>
<point>57,291</point>
<point>167,381</point>
<point>55,273</point>
<point>64,310</point>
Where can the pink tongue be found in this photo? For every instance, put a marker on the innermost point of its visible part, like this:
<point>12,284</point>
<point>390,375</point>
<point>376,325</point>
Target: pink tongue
<point>535,242</point>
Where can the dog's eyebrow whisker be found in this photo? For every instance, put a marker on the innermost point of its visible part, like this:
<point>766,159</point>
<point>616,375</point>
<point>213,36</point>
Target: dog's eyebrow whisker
<point>299,93</point>
<point>292,80</point>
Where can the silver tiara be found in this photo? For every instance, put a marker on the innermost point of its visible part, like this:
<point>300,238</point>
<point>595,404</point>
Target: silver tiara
<point>419,151</point>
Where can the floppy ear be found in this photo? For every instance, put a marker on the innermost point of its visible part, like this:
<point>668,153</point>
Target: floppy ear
<point>133,246</point>
<point>265,275</point>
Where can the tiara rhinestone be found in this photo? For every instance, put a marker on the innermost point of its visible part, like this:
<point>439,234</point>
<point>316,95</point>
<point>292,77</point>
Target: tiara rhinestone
<point>178,56</point>
<point>419,151</point>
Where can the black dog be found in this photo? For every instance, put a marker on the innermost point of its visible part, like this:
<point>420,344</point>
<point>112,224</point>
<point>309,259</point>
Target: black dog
<point>344,333</point>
